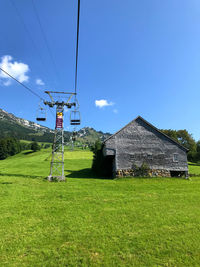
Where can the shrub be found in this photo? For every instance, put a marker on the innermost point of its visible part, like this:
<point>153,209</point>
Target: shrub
<point>35,146</point>
<point>100,164</point>
<point>142,171</point>
<point>97,157</point>
<point>25,146</point>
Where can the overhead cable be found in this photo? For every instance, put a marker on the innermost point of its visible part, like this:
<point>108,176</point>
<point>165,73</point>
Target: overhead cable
<point>29,89</point>
<point>51,111</point>
<point>45,38</point>
<point>29,34</point>
<point>77,39</point>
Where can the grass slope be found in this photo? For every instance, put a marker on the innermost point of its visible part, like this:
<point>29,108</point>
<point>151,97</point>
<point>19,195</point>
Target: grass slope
<point>93,222</point>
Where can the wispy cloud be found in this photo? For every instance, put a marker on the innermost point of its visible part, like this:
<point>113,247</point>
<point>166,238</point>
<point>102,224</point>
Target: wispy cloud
<point>39,82</point>
<point>115,111</point>
<point>17,69</point>
<point>66,109</point>
<point>103,103</point>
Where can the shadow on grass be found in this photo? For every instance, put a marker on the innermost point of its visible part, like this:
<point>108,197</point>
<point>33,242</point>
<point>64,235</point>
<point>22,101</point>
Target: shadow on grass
<point>85,174</point>
<point>28,152</point>
<point>21,175</point>
<point>194,164</point>
<point>6,183</point>
<point>159,178</point>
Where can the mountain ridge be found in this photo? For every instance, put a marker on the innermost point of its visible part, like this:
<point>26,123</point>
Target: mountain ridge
<point>11,125</point>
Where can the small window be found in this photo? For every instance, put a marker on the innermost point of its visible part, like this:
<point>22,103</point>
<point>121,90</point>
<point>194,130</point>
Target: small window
<point>175,157</point>
<point>149,156</point>
<point>132,157</point>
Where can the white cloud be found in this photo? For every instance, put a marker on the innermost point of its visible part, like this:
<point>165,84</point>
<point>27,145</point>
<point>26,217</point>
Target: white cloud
<point>103,103</point>
<point>16,69</point>
<point>39,82</point>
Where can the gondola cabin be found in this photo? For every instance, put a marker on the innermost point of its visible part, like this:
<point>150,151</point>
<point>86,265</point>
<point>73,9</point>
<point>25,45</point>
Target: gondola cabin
<point>75,118</point>
<point>40,119</point>
<point>41,114</point>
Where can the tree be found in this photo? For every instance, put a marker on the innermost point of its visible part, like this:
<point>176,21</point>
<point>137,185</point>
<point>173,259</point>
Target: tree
<point>3,149</point>
<point>13,146</point>
<point>197,158</point>
<point>8,147</point>
<point>185,139</point>
<point>171,133</point>
<point>46,145</point>
<point>35,146</point>
<point>97,157</point>
<point>100,164</point>
<point>198,146</point>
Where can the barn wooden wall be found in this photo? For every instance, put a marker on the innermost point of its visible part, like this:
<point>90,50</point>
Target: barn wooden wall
<point>139,142</point>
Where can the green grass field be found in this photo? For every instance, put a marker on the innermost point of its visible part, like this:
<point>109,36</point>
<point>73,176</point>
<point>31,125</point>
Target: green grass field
<point>95,222</point>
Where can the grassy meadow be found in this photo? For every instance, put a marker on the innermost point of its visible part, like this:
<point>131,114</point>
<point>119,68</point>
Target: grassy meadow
<point>95,222</point>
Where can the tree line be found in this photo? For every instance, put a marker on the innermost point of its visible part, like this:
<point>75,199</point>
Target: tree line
<point>11,146</point>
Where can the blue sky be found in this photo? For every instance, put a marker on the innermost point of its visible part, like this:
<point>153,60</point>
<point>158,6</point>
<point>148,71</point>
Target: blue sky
<point>140,57</point>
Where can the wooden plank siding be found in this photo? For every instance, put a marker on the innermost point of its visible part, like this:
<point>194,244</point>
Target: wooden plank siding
<point>139,142</point>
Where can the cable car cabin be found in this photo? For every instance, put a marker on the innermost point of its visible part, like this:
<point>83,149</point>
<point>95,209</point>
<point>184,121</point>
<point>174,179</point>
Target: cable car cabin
<point>41,119</point>
<point>75,118</point>
<point>41,114</point>
<point>75,122</point>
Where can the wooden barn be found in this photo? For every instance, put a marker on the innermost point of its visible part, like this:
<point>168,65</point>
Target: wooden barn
<point>140,142</point>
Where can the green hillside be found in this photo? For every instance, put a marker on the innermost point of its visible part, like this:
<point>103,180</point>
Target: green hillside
<point>95,222</point>
<point>12,126</point>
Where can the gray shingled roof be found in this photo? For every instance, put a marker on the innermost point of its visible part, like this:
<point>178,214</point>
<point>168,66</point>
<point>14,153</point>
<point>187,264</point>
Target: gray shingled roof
<point>149,124</point>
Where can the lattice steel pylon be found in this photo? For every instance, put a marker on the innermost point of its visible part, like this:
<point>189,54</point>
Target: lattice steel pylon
<point>57,160</point>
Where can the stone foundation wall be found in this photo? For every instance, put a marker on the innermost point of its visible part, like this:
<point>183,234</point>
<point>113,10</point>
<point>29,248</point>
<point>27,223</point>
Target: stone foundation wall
<point>159,173</point>
<point>151,173</point>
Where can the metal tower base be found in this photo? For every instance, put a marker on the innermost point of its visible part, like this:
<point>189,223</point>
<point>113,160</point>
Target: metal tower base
<point>56,178</point>
<point>57,161</point>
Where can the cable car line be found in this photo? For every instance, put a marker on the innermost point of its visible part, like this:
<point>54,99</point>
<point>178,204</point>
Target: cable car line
<point>29,34</point>
<point>41,112</point>
<point>30,90</point>
<point>77,41</point>
<point>75,118</point>
<point>45,38</point>
<point>51,112</point>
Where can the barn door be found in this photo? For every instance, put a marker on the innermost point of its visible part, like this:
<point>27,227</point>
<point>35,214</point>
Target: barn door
<point>109,168</point>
